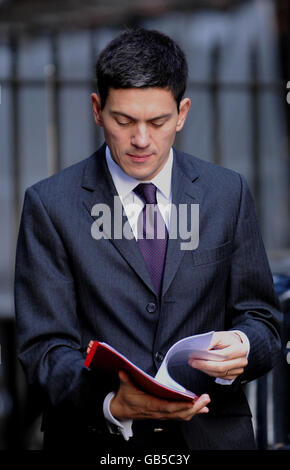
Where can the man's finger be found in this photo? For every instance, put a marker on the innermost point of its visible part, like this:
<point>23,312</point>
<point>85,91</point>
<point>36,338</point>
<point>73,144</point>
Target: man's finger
<point>232,374</point>
<point>153,403</point>
<point>201,402</point>
<point>219,366</point>
<point>199,407</point>
<point>232,352</point>
<point>123,376</point>
<point>90,346</point>
<point>219,369</point>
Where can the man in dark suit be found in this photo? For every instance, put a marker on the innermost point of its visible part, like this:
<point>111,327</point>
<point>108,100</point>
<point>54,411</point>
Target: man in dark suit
<point>83,272</point>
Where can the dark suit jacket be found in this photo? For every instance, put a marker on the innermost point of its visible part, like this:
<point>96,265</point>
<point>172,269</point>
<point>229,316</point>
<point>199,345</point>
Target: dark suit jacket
<point>71,288</point>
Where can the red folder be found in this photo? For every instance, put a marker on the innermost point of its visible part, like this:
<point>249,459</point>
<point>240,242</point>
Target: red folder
<point>104,358</point>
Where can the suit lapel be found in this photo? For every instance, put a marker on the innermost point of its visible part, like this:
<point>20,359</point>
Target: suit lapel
<point>100,189</point>
<point>183,192</point>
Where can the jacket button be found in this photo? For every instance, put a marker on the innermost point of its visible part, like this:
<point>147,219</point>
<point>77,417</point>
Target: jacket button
<point>159,356</point>
<point>151,307</point>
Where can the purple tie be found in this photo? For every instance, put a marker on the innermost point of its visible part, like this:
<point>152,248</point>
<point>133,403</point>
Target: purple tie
<point>152,233</point>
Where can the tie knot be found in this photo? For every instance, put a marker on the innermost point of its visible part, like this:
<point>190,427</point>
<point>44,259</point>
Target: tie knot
<point>147,192</point>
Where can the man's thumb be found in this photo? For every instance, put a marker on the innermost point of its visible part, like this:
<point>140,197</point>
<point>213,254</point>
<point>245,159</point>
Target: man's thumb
<point>124,377</point>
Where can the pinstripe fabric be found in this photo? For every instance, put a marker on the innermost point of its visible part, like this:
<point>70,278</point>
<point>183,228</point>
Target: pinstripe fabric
<point>71,288</point>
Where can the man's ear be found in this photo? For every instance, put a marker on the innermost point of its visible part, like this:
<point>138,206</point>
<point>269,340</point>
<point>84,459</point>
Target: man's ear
<point>96,105</point>
<point>182,115</point>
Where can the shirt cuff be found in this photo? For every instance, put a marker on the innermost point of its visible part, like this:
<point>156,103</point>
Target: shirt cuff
<point>116,427</point>
<point>244,339</point>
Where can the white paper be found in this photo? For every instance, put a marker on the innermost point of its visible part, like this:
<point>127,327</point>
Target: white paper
<point>180,353</point>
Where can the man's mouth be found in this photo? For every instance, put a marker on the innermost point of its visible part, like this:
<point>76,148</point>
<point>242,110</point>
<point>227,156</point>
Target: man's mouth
<point>139,158</point>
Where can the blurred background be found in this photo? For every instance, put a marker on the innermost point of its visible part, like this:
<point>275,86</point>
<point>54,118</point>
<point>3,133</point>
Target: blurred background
<point>238,55</point>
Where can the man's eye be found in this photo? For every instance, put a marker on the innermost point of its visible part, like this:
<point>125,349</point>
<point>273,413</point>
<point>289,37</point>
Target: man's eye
<point>123,123</point>
<point>157,123</point>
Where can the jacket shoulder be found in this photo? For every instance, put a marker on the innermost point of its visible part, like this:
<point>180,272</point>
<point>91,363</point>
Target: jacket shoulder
<point>69,176</point>
<point>209,173</point>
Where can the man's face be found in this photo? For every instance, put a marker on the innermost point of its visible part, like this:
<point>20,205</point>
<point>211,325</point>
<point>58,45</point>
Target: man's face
<point>140,125</point>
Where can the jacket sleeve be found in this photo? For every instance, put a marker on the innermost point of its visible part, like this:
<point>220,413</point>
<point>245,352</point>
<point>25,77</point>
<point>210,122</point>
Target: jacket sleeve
<point>252,303</point>
<point>47,319</point>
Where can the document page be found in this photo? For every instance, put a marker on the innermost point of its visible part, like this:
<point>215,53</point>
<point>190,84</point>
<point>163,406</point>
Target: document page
<point>191,347</point>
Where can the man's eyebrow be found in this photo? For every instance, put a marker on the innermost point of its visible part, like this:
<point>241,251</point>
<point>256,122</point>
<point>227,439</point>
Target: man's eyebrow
<point>156,118</point>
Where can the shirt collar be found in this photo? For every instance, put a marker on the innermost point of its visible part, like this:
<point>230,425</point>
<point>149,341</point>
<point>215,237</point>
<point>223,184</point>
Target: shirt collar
<point>125,183</point>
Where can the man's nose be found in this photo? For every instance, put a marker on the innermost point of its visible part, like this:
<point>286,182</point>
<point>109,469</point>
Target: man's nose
<point>141,136</point>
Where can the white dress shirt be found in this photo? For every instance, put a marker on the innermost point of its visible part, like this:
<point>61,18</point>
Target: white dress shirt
<point>133,205</point>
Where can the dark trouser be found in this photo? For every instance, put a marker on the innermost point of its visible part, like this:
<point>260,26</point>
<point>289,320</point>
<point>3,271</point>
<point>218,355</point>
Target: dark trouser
<point>148,436</point>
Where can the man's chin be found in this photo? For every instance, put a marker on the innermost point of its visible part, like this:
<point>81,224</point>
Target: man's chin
<point>140,172</point>
<point>142,177</point>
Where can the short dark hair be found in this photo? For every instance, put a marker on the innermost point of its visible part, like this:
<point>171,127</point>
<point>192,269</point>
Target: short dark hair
<point>140,58</point>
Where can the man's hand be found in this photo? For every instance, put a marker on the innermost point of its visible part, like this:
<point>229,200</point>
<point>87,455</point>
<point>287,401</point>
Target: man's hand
<point>229,344</point>
<point>131,403</point>
<point>90,346</point>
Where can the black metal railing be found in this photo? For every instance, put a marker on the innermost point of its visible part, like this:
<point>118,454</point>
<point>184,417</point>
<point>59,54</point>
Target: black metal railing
<point>52,83</point>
